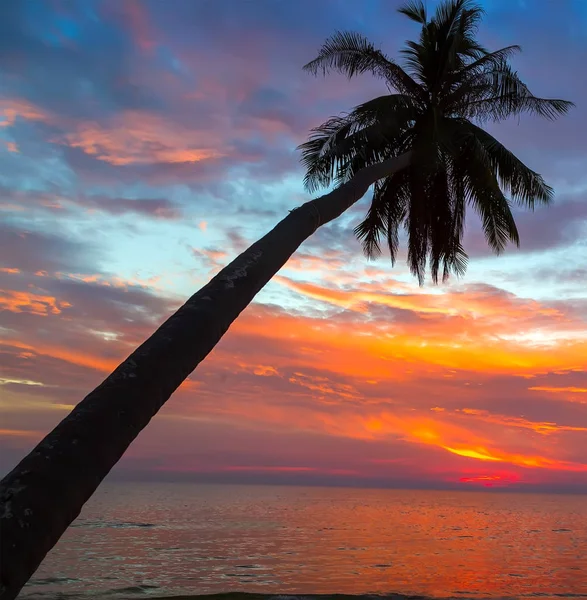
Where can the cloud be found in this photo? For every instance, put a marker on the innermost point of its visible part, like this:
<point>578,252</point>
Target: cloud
<point>18,200</point>
<point>32,251</point>
<point>163,143</point>
<point>140,138</point>
<point>133,16</point>
<point>29,302</point>
<point>13,109</point>
<point>329,379</point>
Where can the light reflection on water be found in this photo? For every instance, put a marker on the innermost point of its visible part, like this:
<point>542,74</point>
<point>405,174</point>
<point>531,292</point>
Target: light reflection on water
<point>171,539</point>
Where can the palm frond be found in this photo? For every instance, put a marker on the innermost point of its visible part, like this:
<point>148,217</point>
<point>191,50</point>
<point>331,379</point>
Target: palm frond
<point>370,229</point>
<point>319,167</point>
<point>524,185</point>
<point>396,110</point>
<point>348,53</point>
<point>417,224</point>
<point>498,108</point>
<point>384,217</point>
<point>457,263</point>
<point>441,220</point>
<point>483,193</point>
<point>461,82</point>
<point>448,41</point>
<point>352,54</point>
<point>414,10</point>
<point>475,167</point>
<point>488,59</point>
<point>497,93</point>
<point>499,225</point>
<point>342,145</point>
<point>415,59</point>
<point>449,13</point>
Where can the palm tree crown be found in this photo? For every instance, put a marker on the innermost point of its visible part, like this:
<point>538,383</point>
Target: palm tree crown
<point>448,86</point>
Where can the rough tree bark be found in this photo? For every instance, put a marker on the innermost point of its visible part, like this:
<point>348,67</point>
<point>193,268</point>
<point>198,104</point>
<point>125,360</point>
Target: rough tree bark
<point>45,492</point>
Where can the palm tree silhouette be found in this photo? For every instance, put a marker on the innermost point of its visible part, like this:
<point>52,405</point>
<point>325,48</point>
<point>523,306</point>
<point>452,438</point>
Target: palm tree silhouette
<point>448,86</point>
<point>421,146</point>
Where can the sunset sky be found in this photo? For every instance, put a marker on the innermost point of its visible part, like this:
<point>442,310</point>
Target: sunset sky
<point>144,144</point>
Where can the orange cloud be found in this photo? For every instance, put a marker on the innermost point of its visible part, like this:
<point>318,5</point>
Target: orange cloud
<point>459,330</point>
<point>37,304</point>
<point>21,433</point>
<point>323,387</point>
<point>75,357</point>
<point>14,108</point>
<point>477,302</point>
<point>446,436</point>
<point>304,262</point>
<point>540,462</point>
<point>559,390</point>
<point>574,394</point>
<point>541,427</point>
<point>354,377</point>
<point>353,300</point>
<point>265,371</point>
<point>142,138</point>
<point>478,453</point>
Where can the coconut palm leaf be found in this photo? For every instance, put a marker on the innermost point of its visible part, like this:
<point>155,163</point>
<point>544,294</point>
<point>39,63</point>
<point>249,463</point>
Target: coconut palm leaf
<point>352,54</point>
<point>362,137</point>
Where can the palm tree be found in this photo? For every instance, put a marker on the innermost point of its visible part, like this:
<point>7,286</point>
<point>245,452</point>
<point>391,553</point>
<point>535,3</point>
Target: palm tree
<point>449,85</point>
<point>422,147</point>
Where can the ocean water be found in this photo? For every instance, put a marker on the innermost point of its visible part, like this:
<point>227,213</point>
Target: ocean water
<point>161,539</point>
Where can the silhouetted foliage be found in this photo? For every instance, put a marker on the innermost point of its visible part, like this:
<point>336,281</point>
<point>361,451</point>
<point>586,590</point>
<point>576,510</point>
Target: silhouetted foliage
<point>446,88</point>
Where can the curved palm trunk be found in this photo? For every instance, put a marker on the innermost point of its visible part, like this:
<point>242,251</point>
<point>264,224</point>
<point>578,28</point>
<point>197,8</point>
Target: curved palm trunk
<point>46,491</point>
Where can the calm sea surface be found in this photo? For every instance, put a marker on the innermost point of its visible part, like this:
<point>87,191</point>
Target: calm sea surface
<point>136,540</point>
